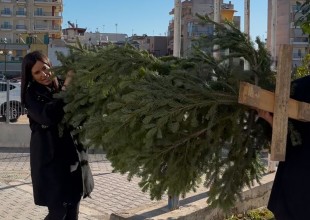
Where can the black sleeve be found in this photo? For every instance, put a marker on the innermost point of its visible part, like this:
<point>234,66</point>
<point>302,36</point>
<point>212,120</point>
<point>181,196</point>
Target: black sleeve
<point>44,112</point>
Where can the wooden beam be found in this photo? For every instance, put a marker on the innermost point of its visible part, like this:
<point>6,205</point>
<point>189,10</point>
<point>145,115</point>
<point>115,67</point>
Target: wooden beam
<point>279,103</point>
<point>259,98</point>
<point>282,95</point>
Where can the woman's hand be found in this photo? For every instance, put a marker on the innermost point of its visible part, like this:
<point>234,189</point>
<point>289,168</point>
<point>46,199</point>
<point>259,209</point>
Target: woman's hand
<point>267,116</point>
<point>67,80</point>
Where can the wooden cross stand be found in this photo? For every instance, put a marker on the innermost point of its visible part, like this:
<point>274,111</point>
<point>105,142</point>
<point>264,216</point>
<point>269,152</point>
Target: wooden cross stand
<point>278,102</point>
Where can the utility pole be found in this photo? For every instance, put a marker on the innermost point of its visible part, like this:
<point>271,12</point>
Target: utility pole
<point>173,200</point>
<point>272,164</point>
<point>116,32</point>
<point>273,33</point>
<point>217,19</point>
<point>247,27</point>
<point>177,28</point>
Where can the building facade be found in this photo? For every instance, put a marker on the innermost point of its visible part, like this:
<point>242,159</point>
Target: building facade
<point>191,27</point>
<point>286,32</point>
<point>27,25</point>
<point>72,33</point>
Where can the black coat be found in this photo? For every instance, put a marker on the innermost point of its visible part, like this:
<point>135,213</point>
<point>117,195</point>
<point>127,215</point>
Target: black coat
<point>51,155</point>
<point>290,195</point>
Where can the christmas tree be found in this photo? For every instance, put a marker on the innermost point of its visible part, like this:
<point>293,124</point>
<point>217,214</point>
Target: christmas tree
<point>173,122</point>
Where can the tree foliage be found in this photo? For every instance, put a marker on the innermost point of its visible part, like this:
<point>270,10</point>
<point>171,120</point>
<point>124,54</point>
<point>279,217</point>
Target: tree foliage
<point>173,122</point>
<point>303,69</point>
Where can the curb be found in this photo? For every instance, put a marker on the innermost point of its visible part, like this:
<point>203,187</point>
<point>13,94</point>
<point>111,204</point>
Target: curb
<point>255,197</point>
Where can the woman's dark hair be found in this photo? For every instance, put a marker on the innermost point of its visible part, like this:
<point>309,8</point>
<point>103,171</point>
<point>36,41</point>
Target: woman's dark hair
<point>28,62</point>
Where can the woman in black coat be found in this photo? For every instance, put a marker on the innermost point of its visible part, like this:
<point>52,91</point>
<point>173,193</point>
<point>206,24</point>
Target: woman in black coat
<point>290,194</point>
<point>55,168</point>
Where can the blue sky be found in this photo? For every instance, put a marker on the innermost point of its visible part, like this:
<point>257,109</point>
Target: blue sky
<point>149,17</point>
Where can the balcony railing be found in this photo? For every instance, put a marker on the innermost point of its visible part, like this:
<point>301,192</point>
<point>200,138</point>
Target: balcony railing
<point>6,13</point>
<point>56,28</point>
<point>20,13</point>
<point>40,27</point>
<point>46,14</point>
<point>47,2</point>
<point>299,40</point>
<point>10,90</point>
<point>48,27</point>
<point>21,1</point>
<point>299,55</point>
<point>21,27</point>
<point>6,27</point>
<point>42,13</point>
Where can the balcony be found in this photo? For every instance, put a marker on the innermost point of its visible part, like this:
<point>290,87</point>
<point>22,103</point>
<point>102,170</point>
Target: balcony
<point>46,15</point>
<point>300,40</point>
<point>21,2</point>
<point>47,2</point>
<point>55,28</point>
<point>49,28</point>
<point>40,27</point>
<point>20,13</point>
<point>21,27</point>
<point>299,56</point>
<point>6,27</point>
<point>6,13</point>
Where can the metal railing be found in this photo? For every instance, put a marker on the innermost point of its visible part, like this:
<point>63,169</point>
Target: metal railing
<point>10,105</point>
<point>6,26</point>
<point>21,13</point>
<point>21,27</point>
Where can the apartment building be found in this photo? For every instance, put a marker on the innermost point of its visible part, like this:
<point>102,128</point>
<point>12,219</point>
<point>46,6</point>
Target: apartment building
<point>286,32</point>
<point>27,25</point>
<point>74,32</point>
<point>156,45</point>
<point>191,27</point>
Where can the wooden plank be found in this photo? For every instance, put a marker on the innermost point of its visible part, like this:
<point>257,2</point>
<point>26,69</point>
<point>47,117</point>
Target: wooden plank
<point>279,103</point>
<point>259,98</point>
<point>256,97</point>
<point>282,93</point>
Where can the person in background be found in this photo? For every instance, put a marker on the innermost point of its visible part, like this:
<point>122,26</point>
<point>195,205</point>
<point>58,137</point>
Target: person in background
<point>54,161</point>
<point>290,194</point>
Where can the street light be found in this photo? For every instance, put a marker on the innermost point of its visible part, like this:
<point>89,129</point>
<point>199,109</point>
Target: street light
<point>5,52</point>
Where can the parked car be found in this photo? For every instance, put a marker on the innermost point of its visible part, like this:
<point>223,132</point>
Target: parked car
<point>16,79</point>
<point>15,108</point>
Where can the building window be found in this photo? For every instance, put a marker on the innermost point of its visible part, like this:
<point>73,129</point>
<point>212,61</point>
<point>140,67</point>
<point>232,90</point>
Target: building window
<point>20,11</point>
<point>19,53</point>
<point>301,40</point>
<point>39,11</point>
<point>6,25</point>
<point>6,11</point>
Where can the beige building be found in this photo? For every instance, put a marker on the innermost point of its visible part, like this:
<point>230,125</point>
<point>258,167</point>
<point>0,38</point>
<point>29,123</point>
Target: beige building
<point>27,25</point>
<point>30,17</point>
<point>191,27</point>
<point>286,32</point>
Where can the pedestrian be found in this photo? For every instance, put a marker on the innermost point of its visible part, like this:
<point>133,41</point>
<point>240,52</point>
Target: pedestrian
<point>290,194</point>
<point>54,160</point>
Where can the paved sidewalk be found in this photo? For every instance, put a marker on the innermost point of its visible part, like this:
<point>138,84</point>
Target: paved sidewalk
<point>112,193</point>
